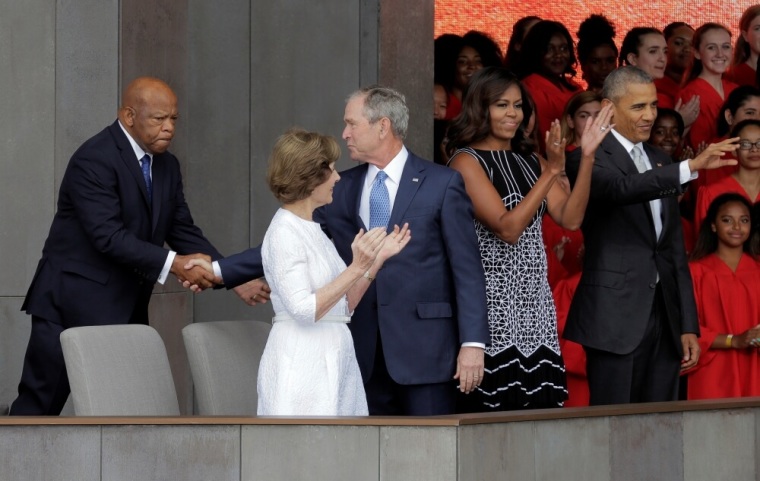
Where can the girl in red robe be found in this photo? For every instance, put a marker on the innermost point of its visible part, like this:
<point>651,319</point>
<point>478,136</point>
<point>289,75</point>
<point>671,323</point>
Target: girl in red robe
<point>548,61</point>
<point>726,277</point>
<point>746,180</point>
<point>744,65</point>
<point>678,36</point>
<point>712,53</point>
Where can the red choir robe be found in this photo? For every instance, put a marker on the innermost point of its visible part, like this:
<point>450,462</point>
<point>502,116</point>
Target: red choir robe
<point>667,92</point>
<point>742,74</point>
<point>572,261</point>
<point>453,107</point>
<point>550,100</point>
<point>709,192</point>
<point>704,129</point>
<point>572,353</point>
<point>727,303</point>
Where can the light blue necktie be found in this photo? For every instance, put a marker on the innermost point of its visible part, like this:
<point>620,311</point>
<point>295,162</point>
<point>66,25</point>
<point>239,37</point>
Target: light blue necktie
<point>654,205</point>
<point>145,162</point>
<point>379,202</point>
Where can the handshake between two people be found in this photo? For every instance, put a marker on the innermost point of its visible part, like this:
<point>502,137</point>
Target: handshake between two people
<point>195,272</point>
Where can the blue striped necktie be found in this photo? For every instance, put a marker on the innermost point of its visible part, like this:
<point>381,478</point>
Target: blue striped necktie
<point>379,202</point>
<point>145,162</point>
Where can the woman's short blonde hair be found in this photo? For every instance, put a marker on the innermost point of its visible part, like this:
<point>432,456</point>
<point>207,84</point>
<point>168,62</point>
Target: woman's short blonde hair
<point>300,162</point>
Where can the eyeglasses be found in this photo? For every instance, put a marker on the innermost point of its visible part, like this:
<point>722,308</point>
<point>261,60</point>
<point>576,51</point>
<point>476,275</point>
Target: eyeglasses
<point>747,145</point>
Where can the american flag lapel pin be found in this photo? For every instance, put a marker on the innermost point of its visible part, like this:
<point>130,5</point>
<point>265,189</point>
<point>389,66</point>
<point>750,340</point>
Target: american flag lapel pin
<point>415,179</point>
<point>659,164</point>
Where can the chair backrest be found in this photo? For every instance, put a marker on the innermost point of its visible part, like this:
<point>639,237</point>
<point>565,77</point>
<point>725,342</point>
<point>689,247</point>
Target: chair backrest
<point>119,370</point>
<point>224,361</point>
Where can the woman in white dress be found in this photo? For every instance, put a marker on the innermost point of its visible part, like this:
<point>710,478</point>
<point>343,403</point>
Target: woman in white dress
<point>309,366</point>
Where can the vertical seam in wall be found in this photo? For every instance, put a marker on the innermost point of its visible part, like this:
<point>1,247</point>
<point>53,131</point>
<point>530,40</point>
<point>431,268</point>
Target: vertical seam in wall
<point>101,453</point>
<point>379,452</point>
<point>250,125</point>
<point>55,105</point>
<point>458,450</point>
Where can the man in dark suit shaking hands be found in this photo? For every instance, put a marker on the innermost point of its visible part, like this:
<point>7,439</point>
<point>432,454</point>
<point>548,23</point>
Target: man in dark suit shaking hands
<point>120,200</point>
<point>634,309</point>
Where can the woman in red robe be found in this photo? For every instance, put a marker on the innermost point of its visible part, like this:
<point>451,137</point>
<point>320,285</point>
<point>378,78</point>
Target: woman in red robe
<point>726,277</point>
<point>746,180</point>
<point>548,59</point>
<point>678,36</point>
<point>747,50</point>
<point>712,53</point>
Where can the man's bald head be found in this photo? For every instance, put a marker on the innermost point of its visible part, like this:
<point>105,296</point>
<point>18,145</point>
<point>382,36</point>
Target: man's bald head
<point>148,112</point>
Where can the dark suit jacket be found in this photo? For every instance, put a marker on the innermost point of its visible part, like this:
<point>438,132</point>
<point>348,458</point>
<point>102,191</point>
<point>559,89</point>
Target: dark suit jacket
<point>431,297</point>
<point>105,249</point>
<point>614,299</point>
<point>425,301</point>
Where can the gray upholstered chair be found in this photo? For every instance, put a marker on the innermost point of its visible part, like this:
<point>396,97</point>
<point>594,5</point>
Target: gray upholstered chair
<point>224,361</point>
<point>119,370</point>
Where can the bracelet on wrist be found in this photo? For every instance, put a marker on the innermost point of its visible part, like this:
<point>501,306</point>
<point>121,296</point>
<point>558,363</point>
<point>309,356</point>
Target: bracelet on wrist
<point>729,339</point>
<point>368,277</point>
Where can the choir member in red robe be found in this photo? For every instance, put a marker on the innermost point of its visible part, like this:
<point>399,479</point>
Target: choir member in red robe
<point>548,60</point>
<point>678,36</point>
<point>747,50</point>
<point>746,180</point>
<point>726,278</point>
<point>712,53</point>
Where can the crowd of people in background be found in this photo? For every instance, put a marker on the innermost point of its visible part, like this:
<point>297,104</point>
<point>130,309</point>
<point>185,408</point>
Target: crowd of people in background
<point>557,90</point>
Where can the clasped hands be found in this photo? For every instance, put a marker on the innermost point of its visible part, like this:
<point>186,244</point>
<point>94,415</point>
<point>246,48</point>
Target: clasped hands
<point>194,270</point>
<point>747,339</point>
<point>196,273</point>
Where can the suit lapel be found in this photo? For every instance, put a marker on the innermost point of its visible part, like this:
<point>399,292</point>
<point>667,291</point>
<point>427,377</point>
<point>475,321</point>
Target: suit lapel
<point>159,179</point>
<point>354,184</point>
<point>410,182</point>
<point>618,155</point>
<point>622,159</point>
<point>128,157</point>
<point>658,158</point>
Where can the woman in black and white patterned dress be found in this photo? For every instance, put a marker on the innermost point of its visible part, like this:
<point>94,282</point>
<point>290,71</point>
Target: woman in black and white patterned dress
<point>511,188</point>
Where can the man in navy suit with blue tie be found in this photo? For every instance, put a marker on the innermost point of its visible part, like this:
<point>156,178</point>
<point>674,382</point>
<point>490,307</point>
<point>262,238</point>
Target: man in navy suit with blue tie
<point>120,200</point>
<point>423,320</point>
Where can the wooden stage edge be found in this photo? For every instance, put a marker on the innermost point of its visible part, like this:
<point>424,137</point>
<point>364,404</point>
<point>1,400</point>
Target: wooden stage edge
<point>449,421</point>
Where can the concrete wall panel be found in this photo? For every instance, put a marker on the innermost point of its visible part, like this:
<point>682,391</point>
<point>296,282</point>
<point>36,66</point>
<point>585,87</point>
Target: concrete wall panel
<point>337,453</point>
<point>658,438</point>
<point>418,454</point>
<point>86,74</point>
<point>410,70</point>
<point>27,120</point>
<point>573,449</point>
<point>50,453</point>
<point>16,326</point>
<point>497,452</point>
<point>729,436</point>
<point>169,313</point>
<point>171,453</point>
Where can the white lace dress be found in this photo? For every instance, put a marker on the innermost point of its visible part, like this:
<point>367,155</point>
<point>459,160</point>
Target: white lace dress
<point>308,367</point>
